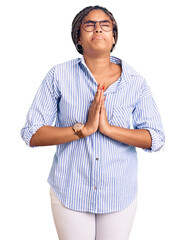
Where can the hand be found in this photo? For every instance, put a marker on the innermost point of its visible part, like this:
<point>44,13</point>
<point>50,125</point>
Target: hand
<point>94,112</point>
<point>104,125</point>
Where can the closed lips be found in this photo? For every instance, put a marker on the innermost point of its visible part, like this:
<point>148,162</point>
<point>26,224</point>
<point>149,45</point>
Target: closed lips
<point>97,37</point>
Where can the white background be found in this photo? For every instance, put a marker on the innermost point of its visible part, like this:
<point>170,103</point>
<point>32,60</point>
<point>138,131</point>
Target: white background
<point>36,35</point>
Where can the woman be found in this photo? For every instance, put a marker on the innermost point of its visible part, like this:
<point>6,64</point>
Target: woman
<point>93,177</point>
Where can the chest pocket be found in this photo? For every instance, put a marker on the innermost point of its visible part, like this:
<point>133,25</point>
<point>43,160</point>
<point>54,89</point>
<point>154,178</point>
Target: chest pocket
<point>121,116</point>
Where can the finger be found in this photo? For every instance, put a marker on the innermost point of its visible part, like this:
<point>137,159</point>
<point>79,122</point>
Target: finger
<point>99,88</point>
<point>97,99</point>
<point>98,107</point>
<point>101,95</point>
<point>103,86</point>
<point>97,96</point>
<point>103,102</point>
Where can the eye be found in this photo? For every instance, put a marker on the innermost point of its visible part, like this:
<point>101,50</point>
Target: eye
<point>106,24</point>
<point>89,24</point>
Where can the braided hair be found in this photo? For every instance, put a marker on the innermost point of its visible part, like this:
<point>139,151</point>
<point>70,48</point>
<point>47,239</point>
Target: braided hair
<point>75,32</point>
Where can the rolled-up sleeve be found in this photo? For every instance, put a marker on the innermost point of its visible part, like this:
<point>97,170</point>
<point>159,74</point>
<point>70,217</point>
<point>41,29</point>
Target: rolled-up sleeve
<point>44,107</point>
<point>146,116</point>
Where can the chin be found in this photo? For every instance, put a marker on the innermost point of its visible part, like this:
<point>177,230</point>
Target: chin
<point>97,50</point>
<point>100,47</point>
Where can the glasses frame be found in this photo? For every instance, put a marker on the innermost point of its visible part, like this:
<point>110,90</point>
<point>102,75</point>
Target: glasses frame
<point>95,22</point>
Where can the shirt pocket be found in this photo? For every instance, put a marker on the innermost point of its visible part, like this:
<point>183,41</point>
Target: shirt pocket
<point>121,116</point>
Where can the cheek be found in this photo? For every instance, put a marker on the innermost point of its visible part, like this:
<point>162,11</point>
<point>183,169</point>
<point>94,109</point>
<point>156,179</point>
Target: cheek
<point>111,41</point>
<point>110,37</point>
<point>84,37</point>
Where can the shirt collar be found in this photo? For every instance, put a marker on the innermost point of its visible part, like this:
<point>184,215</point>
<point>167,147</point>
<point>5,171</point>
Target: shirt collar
<point>127,70</point>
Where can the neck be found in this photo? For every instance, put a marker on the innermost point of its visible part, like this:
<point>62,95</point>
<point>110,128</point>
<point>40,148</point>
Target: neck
<point>97,65</point>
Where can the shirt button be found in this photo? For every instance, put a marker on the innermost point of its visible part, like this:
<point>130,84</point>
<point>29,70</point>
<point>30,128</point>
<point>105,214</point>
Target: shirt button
<point>97,158</point>
<point>95,188</point>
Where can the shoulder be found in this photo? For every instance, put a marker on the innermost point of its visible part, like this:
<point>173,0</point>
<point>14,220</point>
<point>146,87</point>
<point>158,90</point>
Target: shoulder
<point>70,64</point>
<point>136,81</point>
<point>130,69</point>
<point>61,70</point>
<point>127,70</point>
<point>133,77</point>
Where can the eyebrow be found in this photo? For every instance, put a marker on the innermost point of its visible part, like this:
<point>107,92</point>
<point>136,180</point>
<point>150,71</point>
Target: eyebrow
<point>89,21</point>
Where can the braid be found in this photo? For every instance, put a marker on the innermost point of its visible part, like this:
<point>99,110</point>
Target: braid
<point>75,32</point>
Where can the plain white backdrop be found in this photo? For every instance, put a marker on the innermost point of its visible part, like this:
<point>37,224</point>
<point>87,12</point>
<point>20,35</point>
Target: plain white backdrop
<point>36,35</point>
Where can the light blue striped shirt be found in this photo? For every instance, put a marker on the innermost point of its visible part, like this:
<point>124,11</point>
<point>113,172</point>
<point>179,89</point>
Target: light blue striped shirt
<point>95,174</point>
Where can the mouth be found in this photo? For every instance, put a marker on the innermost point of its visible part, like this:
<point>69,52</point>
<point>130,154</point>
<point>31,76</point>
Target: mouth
<point>97,38</point>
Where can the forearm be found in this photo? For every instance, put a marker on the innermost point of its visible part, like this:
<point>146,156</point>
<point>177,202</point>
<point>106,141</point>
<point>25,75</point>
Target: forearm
<point>48,135</point>
<point>135,137</point>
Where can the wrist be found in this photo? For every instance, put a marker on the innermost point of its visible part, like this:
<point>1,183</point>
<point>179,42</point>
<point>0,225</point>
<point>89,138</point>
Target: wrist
<point>107,130</point>
<point>86,131</point>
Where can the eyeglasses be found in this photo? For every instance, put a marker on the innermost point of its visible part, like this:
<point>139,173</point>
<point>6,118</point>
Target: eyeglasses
<point>90,26</point>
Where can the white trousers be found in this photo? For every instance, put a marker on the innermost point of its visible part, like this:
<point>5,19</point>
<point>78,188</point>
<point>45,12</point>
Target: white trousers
<point>75,225</point>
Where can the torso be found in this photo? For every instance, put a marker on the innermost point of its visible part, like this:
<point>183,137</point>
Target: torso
<point>109,77</point>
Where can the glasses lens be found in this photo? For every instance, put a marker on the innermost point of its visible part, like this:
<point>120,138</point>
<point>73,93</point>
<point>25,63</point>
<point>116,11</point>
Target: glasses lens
<point>89,26</point>
<point>106,25</point>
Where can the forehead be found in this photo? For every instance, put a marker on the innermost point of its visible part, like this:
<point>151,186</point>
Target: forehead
<point>96,15</point>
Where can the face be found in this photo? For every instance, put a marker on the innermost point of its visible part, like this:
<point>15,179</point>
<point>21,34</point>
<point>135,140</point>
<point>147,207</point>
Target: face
<point>98,41</point>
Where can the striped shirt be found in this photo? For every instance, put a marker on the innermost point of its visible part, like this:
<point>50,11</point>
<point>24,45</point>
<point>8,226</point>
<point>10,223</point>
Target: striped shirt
<point>95,174</point>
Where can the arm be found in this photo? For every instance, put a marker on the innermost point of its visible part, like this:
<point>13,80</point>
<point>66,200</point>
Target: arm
<point>135,137</point>
<point>43,109</point>
<point>148,131</point>
<point>146,116</point>
<point>48,135</point>
<point>44,135</point>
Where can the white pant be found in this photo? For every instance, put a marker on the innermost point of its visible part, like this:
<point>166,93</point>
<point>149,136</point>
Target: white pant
<point>75,225</point>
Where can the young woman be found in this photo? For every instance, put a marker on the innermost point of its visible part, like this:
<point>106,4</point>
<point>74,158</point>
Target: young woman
<point>93,177</point>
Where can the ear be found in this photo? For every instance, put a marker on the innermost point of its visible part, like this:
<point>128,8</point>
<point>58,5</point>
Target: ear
<point>79,41</point>
<point>113,40</point>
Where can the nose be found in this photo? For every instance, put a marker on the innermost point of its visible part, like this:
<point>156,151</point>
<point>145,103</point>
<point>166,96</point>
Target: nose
<point>97,27</point>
